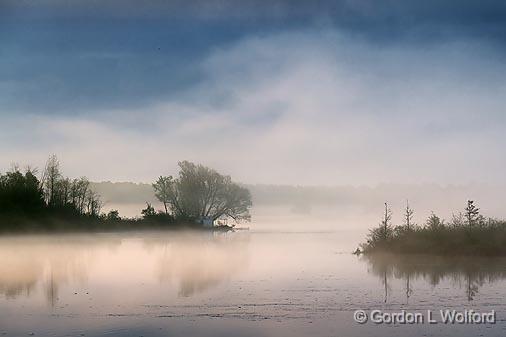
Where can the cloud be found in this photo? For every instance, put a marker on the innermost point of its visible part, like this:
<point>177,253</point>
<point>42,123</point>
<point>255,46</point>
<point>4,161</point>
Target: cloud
<point>302,107</point>
<point>75,58</point>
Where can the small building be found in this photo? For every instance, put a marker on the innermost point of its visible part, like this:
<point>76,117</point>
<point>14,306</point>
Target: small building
<point>206,221</point>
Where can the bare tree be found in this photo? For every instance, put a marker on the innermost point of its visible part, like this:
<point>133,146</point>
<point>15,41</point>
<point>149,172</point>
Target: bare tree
<point>386,222</point>
<point>93,203</point>
<point>408,216</point>
<point>75,195</point>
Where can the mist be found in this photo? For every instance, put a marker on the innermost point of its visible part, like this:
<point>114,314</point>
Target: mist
<point>252,168</point>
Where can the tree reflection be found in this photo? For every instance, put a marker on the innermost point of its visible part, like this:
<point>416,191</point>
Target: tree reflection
<point>193,261</point>
<point>202,261</point>
<point>48,261</point>
<point>470,273</point>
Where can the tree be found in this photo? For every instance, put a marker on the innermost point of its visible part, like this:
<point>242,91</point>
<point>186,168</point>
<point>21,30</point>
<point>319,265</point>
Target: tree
<point>408,216</point>
<point>201,192</point>
<point>385,223</point>
<point>20,193</point>
<point>434,222</point>
<point>163,191</point>
<point>113,215</point>
<point>472,213</point>
<point>50,179</point>
<point>379,236</point>
<point>69,196</point>
<point>149,211</point>
<point>93,204</point>
<point>78,191</point>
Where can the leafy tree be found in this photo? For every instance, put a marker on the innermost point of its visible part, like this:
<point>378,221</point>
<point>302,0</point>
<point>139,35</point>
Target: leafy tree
<point>434,222</point>
<point>163,191</point>
<point>113,215</point>
<point>149,211</point>
<point>20,193</point>
<point>50,180</point>
<point>200,192</point>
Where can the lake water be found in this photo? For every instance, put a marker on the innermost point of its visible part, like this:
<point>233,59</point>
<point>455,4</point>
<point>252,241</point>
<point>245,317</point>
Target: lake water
<point>246,283</point>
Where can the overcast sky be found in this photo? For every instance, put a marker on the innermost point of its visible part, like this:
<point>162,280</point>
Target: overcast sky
<point>284,92</point>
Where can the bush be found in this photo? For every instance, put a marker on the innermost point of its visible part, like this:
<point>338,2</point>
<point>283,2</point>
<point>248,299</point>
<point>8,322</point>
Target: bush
<point>465,235</point>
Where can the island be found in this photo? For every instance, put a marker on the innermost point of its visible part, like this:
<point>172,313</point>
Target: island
<point>469,233</point>
<point>199,197</point>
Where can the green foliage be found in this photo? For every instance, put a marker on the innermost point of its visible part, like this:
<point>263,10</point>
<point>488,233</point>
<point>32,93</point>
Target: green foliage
<point>59,203</point>
<point>163,191</point>
<point>434,223</point>
<point>20,193</point>
<point>149,211</point>
<point>63,195</point>
<point>113,215</point>
<point>201,192</point>
<point>472,214</point>
<point>26,201</point>
<point>149,215</point>
<point>468,234</point>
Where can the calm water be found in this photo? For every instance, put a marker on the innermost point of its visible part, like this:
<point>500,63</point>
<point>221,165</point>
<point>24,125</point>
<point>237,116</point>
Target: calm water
<point>250,283</point>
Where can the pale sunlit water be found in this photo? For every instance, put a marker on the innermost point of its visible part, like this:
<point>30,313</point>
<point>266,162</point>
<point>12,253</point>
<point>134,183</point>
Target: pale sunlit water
<point>247,283</point>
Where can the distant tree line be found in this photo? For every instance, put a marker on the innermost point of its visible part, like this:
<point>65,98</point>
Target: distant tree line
<point>468,233</point>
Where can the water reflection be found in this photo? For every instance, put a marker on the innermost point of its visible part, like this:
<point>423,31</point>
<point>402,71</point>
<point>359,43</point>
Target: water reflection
<point>49,261</point>
<point>202,262</point>
<point>469,273</point>
<point>193,262</point>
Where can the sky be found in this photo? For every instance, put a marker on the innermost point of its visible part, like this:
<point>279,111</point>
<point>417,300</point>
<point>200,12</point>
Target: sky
<point>351,92</point>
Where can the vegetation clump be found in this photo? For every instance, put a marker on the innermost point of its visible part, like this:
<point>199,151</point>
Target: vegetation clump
<point>27,202</point>
<point>53,201</point>
<point>202,193</point>
<point>468,233</point>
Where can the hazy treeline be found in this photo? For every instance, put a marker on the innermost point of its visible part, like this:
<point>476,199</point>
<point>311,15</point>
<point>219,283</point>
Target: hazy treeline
<point>467,233</point>
<point>307,199</point>
<point>125,192</point>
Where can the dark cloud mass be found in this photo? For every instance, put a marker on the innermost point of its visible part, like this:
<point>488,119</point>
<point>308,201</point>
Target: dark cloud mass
<point>271,91</point>
<point>138,53</point>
